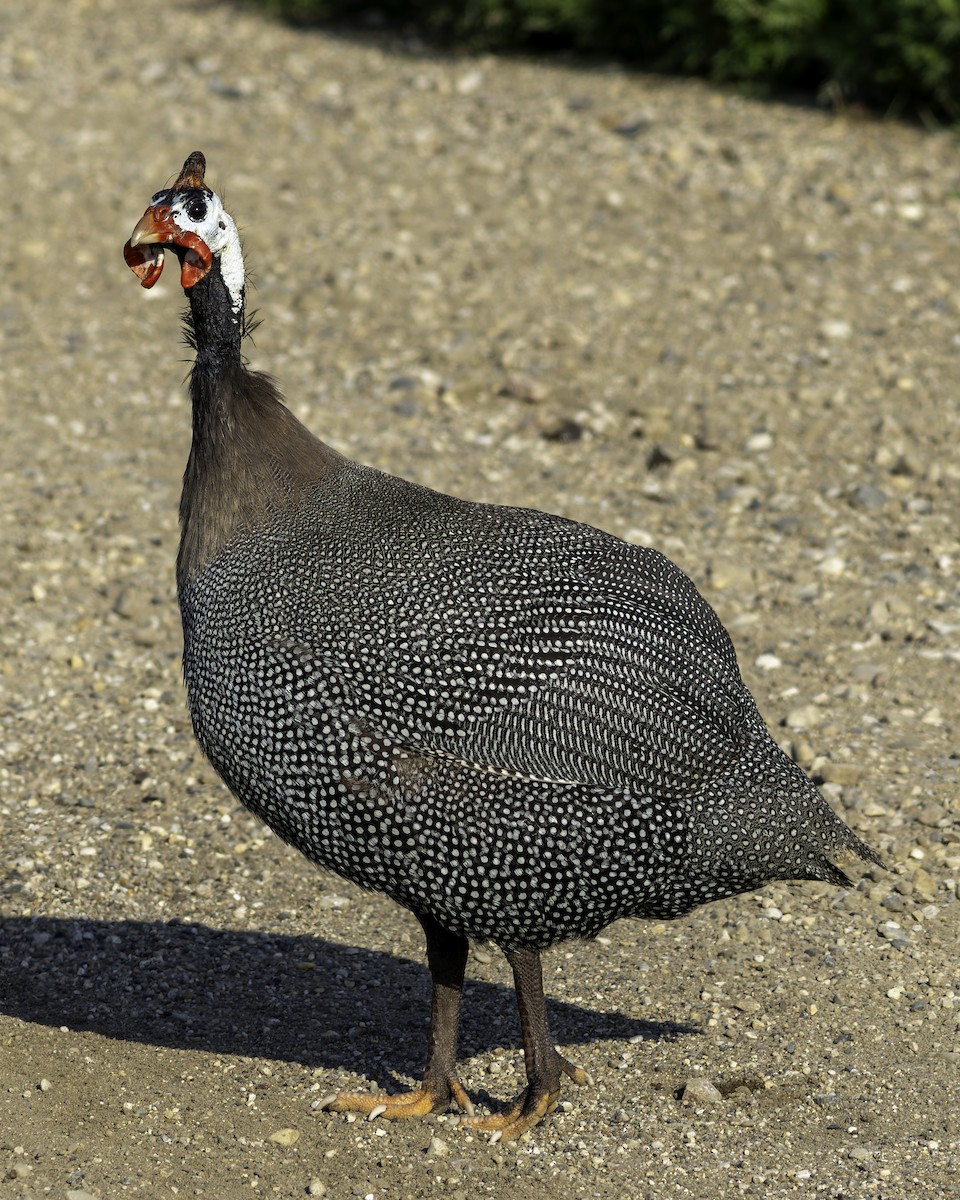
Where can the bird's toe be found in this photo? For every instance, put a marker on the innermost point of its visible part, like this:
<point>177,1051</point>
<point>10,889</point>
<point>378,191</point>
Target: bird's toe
<point>527,1110</point>
<point>579,1076</point>
<point>418,1102</point>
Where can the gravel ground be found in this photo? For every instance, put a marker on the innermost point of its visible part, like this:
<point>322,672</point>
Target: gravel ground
<point>724,328</point>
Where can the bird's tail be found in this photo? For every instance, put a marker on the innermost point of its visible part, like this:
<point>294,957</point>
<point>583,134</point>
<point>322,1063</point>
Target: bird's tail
<point>835,841</point>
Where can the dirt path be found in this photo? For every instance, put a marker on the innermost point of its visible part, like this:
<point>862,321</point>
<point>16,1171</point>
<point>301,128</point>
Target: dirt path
<point>725,328</point>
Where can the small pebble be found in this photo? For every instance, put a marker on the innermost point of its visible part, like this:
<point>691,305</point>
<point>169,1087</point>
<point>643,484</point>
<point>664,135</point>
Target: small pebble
<point>873,808</point>
<point>868,496</point>
<point>833,565</point>
<point>808,716</point>
<point>701,1091</point>
<point>746,1006</point>
<point>760,441</point>
<point>316,1188</point>
<point>285,1137</point>
<point>437,1148</point>
<point>843,773</point>
<point>469,82</point>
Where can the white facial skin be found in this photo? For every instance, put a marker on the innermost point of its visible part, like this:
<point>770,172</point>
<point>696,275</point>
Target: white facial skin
<point>201,212</point>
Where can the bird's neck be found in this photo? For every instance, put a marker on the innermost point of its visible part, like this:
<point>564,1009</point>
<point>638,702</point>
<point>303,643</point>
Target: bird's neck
<point>215,322</point>
<point>250,459</point>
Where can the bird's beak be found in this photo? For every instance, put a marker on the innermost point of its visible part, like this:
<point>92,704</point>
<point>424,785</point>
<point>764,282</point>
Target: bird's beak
<point>144,251</point>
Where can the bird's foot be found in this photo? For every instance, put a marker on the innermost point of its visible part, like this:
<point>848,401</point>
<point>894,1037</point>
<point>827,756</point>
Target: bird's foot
<point>427,1098</point>
<point>525,1112</point>
<point>529,1108</point>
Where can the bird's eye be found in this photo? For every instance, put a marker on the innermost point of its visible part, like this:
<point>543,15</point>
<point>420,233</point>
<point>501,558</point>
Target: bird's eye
<point>196,208</point>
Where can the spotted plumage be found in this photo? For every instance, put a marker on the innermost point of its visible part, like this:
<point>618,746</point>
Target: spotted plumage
<point>515,723</point>
<point>516,726</point>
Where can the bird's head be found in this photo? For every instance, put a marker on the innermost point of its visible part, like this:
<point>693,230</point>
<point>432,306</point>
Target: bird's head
<point>190,219</point>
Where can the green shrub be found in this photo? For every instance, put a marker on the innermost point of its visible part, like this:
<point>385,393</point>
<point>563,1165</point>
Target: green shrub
<point>892,55</point>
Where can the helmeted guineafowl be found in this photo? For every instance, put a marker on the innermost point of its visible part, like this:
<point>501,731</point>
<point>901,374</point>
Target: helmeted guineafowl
<point>516,726</point>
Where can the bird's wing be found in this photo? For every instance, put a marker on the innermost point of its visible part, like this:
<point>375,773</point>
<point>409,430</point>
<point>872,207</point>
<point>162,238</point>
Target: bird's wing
<point>609,695</point>
<point>616,675</point>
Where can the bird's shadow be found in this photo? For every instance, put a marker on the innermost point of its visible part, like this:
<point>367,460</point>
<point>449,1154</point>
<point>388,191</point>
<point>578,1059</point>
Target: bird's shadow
<point>262,995</point>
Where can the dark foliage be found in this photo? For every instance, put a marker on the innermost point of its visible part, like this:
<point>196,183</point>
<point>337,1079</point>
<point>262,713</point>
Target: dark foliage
<point>896,56</point>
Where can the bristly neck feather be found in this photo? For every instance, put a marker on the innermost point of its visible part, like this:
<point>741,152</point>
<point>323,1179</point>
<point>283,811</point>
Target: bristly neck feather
<point>250,458</point>
<point>215,322</point>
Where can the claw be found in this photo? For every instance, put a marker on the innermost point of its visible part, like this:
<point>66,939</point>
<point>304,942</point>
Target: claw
<point>376,1112</point>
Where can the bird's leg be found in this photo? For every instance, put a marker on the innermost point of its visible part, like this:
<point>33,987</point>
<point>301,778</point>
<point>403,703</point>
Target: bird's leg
<point>447,959</point>
<point>543,1062</point>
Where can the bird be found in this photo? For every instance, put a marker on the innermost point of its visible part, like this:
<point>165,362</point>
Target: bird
<point>518,727</point>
